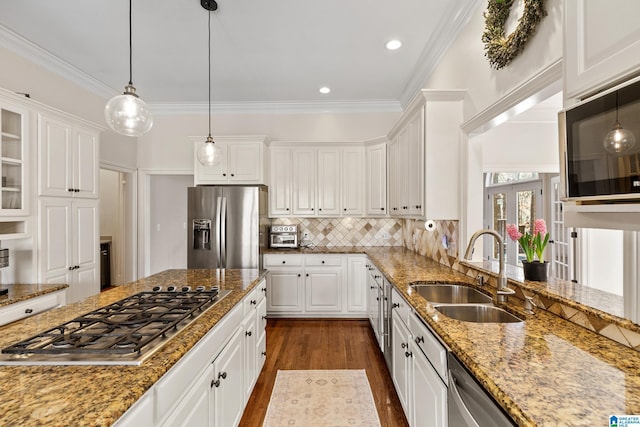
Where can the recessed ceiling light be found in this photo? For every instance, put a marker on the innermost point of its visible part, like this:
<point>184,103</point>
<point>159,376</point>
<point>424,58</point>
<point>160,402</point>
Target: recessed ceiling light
<point>325,90</point>
<point>393,44</point>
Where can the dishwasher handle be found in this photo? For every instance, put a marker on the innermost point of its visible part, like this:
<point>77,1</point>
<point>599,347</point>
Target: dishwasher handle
<point>459,407</point>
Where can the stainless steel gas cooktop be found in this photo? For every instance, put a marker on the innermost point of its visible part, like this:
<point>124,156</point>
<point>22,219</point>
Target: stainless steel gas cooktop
<point>123,333</point>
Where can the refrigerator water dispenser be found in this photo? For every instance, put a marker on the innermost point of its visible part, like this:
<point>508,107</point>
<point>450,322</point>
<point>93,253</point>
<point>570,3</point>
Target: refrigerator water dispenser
<point>202,234</point>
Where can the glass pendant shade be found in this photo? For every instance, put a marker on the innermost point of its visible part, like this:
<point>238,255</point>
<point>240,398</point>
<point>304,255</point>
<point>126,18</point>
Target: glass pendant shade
<point>127,114</point>
<point>209,154</point>
<point>619,140</point>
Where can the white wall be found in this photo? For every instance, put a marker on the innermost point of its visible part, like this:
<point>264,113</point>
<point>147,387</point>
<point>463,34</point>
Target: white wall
<point>464,66</point>
<point>167,147</point>
<point>109,202</point>
<point>168,218</point>
<point>523,147</point>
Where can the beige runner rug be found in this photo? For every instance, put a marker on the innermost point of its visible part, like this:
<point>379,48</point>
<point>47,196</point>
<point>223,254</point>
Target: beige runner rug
<point>322,398</point>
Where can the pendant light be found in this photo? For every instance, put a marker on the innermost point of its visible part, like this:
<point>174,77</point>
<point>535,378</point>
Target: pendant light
<point>618,140</point>
<point>209,154</point>
<point>127,114</point>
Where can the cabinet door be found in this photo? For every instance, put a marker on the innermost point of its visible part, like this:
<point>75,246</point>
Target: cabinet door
<point>394,176</point>
<point>304,181</point>
<point>195,408</point>
<point>429,394</point>
<point>54,157</point>
<point>323,290</point>
<point>280,175</point>
<point>415,162</point>
<point>357,284</point>
<point>245,163</point>
<point>86,248</point>
<point>376,180</point>
<point>353,181</point>
<point>250,353</point>
<point>328,181</point>
<point>85,162</point>
<point>55,244</point>
<point>373,302</point>
<point>601,44</point>
<point>401,356</point>
<point>228,394</point>
<point>14,160</point>
<point>214,174</point>
<point>284,291</point>
<point>402,171</point>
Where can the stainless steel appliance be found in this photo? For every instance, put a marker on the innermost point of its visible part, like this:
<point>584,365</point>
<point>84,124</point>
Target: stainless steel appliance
<point>284,236</point>
<point>379,311</point>
<point>123,333</point>
<point>468,403</point>
<point>228,226</point>
<point>600,146</point>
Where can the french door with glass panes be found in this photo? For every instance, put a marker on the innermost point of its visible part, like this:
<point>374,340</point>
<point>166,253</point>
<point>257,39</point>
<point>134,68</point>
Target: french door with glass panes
<point>518,204</point>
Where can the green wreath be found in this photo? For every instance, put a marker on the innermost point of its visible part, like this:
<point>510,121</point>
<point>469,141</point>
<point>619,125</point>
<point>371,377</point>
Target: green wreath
<point>501,50</point>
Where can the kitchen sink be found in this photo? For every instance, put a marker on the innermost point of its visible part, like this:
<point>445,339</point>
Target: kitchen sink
<point>450,293</point>
<point>477,313</point>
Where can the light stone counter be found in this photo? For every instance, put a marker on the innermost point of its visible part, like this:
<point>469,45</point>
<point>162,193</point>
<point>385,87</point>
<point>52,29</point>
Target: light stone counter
<point>99,395</point>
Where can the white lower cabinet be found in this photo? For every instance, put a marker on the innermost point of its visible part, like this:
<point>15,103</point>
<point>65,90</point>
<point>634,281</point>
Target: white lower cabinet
<point>20,310</point>
<point>316,285</point>
<point>418,370</point>
<point>211,384</point>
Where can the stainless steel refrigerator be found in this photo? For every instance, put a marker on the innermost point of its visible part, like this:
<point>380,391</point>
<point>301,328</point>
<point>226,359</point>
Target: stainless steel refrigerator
<point>227,226</point>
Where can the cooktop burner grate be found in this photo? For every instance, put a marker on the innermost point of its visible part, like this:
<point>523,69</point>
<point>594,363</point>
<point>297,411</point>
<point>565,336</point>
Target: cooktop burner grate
<point>125,327</point>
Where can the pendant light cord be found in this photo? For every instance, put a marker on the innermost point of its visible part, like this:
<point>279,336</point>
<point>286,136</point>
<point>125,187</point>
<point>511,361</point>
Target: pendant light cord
<point>130,49</point>
<point>209,55</point>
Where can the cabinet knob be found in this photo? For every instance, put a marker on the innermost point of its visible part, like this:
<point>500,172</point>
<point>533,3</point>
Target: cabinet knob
<point>284,262</point>
<point>307,274</point>
<point>77,190</point>
<point>381,209</point>
<point>264,353</point>
<point>70,190</point>
<point>233,174</point>
<point>287,208</point>
<point>264,290</point>
<point>320,210</point>
<point>264,317</point>
<point>224,174</point>
<point>345,209</point>
<point>299,275</point>
<point>248,333</point>
<point>312,209</point>
<point>323,261</point>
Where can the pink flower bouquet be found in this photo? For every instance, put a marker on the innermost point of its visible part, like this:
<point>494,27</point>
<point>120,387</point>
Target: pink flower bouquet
<point>532,244</point>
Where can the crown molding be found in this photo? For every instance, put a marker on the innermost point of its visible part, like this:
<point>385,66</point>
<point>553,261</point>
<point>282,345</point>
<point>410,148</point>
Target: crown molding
<point>381,106</point>
<point>444,36</point>
<point>23,47</point>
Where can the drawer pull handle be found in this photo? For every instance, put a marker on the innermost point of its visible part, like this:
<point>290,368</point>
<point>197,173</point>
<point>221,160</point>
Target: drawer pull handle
<point>264,353</point>
<point>222,375</point>
<point>248,333</point>
<point>395,305</point>
<point>28,311</point>
<point>419,340</point>
<point>405,345</point>
<point>253,302</point>
<point>215,383</point>
<point>408,354</point>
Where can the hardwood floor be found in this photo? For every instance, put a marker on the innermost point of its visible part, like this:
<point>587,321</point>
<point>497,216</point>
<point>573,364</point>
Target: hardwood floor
<point>324,344</point>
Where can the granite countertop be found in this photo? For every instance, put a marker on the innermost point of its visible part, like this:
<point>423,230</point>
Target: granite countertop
<point>544,371</point>
<point>23,292</point>
<point>99,395</point>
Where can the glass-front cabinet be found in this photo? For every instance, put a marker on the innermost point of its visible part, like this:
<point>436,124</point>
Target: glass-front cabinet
<point>13,160</point>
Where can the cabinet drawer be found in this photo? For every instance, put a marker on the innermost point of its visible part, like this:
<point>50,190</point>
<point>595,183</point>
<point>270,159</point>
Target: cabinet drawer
<point>429,345</point>
<point>323,260</point>
<point>401,306</point>
<point>262,290</point>
<point>250,301</point>
<point>36,305</point>
<point>276,260</point>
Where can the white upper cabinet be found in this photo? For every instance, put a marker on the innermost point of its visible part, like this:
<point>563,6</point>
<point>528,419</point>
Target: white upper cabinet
<point>280,175</point>
<point>304,181</point>
<point>241,161</point>
<point>68,158</point>
<point>423,162</point>
<point>328,183</point>
<point>14,146</point>
<point>376,179</point>
<point>320,181</point>
<point>601,44</point>
<point>353,175</point>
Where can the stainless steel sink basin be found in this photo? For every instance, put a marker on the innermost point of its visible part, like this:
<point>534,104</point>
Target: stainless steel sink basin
<point>477,313</point>
<point>450,293</point>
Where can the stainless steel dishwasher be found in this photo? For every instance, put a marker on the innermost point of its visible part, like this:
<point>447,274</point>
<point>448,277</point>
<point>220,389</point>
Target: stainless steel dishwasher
<point>469,405</point>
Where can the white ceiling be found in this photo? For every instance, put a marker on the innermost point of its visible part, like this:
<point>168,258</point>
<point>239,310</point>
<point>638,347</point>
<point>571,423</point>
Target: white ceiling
<point>265,53</point>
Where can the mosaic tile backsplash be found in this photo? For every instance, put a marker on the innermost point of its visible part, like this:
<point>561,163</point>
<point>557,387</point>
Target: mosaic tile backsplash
<point>439,243</point>
<point>346,231</point>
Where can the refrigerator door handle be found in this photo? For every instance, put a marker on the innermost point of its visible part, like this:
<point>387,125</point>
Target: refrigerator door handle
<point>223,233</point>
<point>218,228</point>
